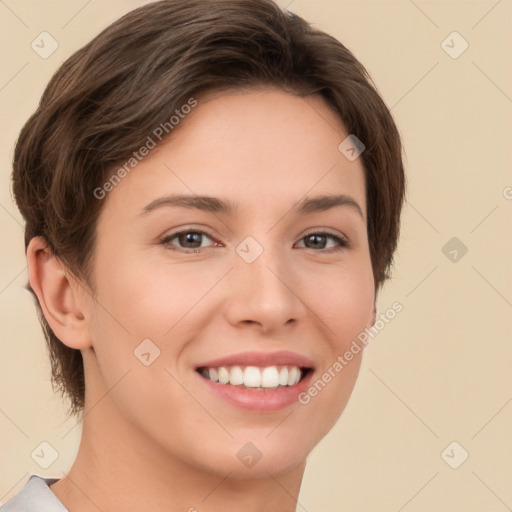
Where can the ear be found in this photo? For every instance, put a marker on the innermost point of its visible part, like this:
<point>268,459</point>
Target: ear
<point>58,295</point>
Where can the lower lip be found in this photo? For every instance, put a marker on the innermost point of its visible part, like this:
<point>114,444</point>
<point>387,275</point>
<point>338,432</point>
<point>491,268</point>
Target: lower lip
<point>259,400</point>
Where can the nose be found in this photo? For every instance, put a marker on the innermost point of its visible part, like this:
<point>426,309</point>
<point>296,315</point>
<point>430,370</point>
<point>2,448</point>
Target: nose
<point>265,293</point>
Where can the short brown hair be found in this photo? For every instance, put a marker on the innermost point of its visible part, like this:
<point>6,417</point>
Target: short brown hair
<point>104,101</point>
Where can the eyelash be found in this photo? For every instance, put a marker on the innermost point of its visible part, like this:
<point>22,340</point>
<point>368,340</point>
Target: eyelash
<point>343,243</point>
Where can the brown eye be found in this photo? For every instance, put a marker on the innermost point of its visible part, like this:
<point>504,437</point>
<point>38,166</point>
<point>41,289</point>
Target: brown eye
<point>186,240</point>
<point>192,238</point>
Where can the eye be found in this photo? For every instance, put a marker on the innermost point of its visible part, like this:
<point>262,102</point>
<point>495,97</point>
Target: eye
<point>319,240</point>
<point>189,240</point>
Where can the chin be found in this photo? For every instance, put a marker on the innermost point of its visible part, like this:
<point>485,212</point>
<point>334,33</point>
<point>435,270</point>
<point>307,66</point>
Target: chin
<point>258,455</point>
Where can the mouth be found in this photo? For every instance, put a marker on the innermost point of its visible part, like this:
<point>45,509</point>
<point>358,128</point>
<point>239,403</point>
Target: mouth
<point>256,378</point>
<point>263,382</point>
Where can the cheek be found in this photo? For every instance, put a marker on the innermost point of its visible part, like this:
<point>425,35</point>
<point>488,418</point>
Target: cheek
<point>344,300</point>
<point>149,297</point>
<point>345,307</point>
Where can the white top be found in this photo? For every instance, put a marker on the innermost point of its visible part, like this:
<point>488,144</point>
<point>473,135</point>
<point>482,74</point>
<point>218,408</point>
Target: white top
<point>35,496</point>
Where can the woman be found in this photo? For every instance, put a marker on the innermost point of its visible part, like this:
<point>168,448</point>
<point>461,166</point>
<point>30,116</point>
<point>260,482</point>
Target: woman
<point>212,194</point>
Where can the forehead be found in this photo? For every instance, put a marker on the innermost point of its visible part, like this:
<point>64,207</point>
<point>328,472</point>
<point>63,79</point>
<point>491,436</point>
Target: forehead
<point>261,149</point>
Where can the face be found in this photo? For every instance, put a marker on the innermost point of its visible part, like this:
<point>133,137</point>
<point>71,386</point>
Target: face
<point>257,278</point>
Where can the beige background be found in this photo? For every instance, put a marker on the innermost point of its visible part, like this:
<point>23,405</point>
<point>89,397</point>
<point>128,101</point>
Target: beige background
<point>440,371</point>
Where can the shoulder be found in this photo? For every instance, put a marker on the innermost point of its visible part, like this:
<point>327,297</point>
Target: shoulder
<point>35,496</point>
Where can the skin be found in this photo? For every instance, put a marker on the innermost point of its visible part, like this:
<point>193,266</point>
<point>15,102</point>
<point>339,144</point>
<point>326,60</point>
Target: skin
<point>154,436</point>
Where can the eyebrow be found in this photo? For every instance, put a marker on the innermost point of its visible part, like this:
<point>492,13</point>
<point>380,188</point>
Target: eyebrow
<point>216,205</point>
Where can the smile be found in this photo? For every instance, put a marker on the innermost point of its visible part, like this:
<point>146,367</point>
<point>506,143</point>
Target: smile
<point>257,381</point>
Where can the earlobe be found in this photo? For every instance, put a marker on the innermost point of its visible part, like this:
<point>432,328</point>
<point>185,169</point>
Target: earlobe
<point>58,298</point>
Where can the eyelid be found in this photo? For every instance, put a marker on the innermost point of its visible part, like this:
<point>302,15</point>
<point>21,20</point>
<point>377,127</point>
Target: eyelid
<point>326,231</point>
<point>189,227</point>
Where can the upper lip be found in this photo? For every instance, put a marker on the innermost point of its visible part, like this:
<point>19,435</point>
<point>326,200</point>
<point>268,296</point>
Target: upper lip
<point>262,359</point>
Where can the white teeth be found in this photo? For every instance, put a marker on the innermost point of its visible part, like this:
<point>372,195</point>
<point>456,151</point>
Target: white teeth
<point>236,376</point>
<point>293,376</point>
<point>253,376</point>
<point>269,377</point>
<point>223,375</point>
